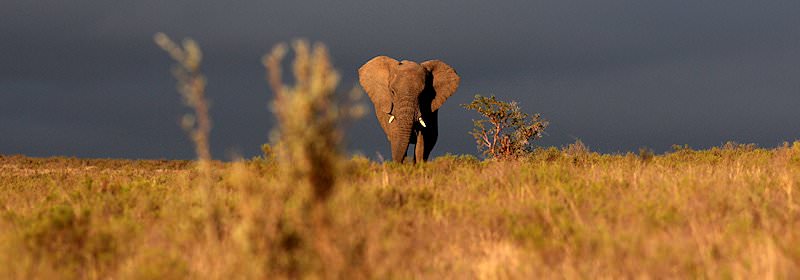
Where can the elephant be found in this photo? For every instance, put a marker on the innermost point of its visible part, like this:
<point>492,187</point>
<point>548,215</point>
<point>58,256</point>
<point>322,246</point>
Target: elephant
<point>407,97</point>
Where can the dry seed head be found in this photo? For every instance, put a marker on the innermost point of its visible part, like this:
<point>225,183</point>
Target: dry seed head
<point>193,55</point>
<point>307,116</point>
<point>358,111</point>
<point>272,62</point>
<point>356,94</point>
<point>301,63</point>
<point>188,122</point>
<point>163,41</point>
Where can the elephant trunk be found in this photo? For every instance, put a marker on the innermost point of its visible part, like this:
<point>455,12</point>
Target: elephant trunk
<point>405,114</point>
<point>399,147</point>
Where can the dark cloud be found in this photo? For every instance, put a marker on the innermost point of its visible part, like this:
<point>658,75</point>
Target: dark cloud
<point>83,78</point>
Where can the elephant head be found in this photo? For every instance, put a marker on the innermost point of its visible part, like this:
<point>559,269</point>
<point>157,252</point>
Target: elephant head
<point>407,96</point>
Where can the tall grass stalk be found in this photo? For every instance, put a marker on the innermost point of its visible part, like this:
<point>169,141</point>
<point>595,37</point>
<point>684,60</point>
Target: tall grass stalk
<point>191,85</point>
<point>308,135</point>
<point>308,138</point>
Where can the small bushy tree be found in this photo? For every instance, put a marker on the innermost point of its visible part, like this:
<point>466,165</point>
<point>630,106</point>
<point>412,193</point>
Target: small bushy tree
<point>504,132</point>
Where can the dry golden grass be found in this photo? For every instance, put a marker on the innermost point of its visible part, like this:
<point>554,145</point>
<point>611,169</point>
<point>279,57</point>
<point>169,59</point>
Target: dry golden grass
<point>719,213</point>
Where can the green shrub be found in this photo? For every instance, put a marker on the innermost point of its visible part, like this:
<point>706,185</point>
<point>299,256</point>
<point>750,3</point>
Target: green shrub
<point>505,132</point>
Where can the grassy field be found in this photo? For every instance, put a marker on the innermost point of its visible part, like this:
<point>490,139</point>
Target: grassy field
<point>727,212</point>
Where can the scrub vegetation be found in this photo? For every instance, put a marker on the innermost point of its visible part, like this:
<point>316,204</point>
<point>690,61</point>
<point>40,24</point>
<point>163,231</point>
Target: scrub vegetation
<point>304,210</point>
<point>504,131</point>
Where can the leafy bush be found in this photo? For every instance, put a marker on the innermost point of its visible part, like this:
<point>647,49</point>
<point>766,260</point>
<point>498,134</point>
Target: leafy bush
<point>505,132</point>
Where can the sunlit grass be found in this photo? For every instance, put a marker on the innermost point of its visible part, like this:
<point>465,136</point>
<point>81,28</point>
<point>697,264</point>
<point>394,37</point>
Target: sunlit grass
<point>719,213</point>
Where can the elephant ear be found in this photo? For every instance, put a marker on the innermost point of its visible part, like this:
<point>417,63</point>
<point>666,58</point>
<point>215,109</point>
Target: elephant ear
<point>374,78</point>
<point>444,84</point>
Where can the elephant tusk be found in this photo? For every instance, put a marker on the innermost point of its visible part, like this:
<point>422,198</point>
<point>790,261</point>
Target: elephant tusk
<point>391,118</point>
<point>422,122</point>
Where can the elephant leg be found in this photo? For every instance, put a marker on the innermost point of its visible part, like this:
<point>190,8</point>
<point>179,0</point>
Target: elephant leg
<point>430,141</point>
<point>419,149</point>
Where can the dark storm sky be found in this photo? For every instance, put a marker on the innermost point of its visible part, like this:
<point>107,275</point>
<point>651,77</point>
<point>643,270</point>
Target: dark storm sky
<point>83,78</point>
